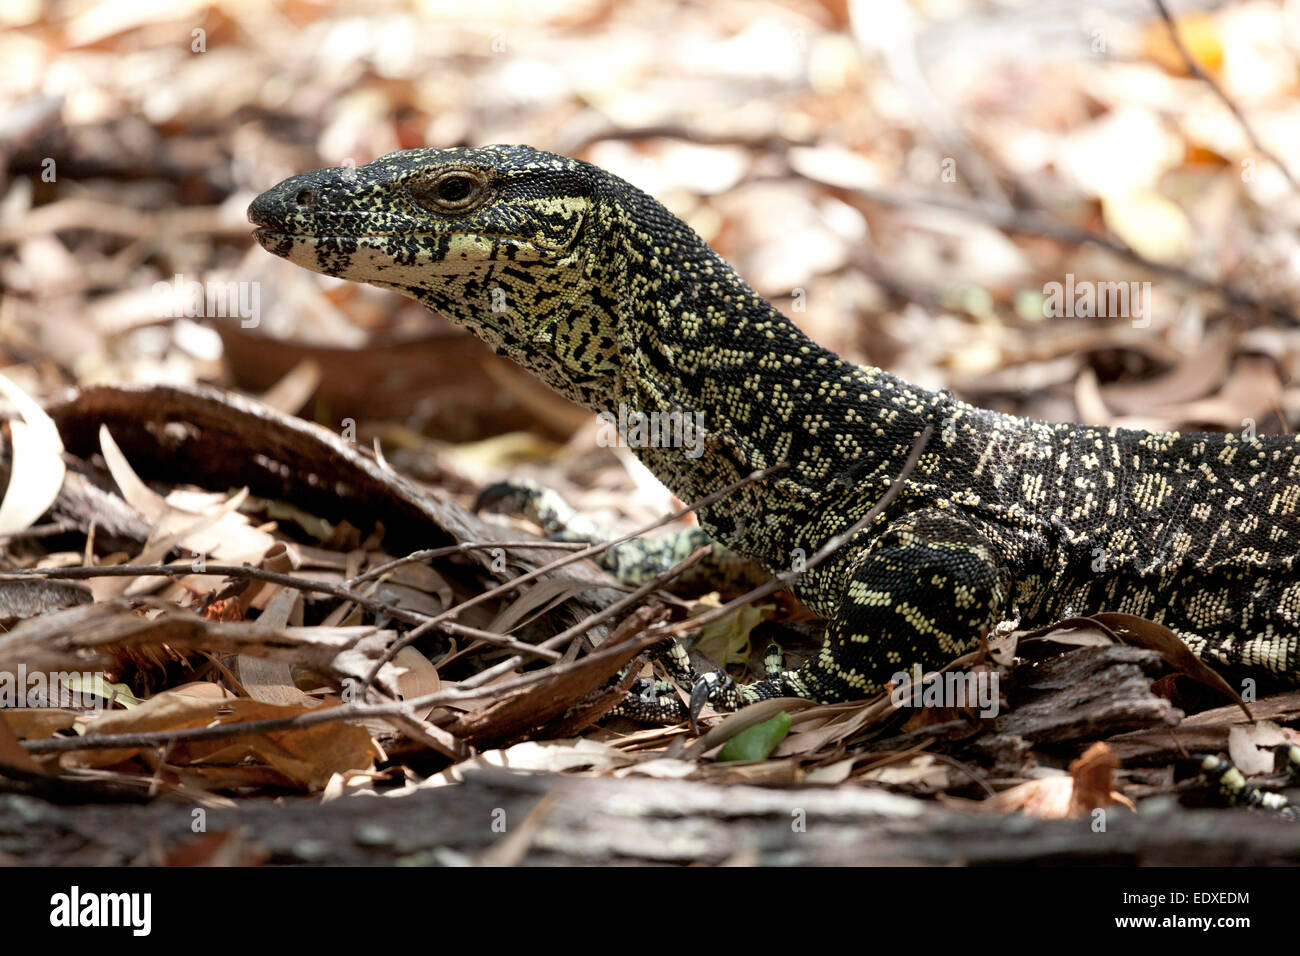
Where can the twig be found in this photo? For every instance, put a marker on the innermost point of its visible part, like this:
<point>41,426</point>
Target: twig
<point>600,616</point>
<point>1194,68</point>
<point>246,572</point>
<point>429,554</point>
<point>583,626</point>
<point>770,141</point>
<point>237,571</point>
<point>500,640</point>
<point>507,586</point>
<point>465,690</point>
<point>627,600</point>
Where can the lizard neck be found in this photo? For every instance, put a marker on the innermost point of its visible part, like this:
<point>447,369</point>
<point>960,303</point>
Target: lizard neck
<point>750,390</point>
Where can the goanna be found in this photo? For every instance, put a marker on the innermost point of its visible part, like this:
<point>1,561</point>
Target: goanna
<point>603,294</point>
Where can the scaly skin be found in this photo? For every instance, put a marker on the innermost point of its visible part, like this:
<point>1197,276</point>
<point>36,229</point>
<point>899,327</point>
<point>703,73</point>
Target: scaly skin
<point>601,292</point>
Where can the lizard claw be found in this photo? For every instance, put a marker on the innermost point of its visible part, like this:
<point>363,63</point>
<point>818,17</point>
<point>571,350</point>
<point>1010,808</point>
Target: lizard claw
<point>699,697</point>
<point>717,688</point>
<point>656,701</point>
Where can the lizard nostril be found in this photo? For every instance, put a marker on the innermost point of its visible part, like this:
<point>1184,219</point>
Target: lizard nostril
<point>305,197</point>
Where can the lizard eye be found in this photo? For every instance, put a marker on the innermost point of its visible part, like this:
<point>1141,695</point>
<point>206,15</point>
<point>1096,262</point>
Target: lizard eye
<point>455,188</point>
<point>454,192</point>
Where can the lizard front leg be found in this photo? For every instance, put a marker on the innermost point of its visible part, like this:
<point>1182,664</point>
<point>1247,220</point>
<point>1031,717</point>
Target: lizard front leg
<point>633,563</point>
<point>922,592</point>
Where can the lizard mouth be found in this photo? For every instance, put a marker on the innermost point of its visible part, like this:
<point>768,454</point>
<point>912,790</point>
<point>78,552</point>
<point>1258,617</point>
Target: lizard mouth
<point>286,244</point>
<point>366,258</point>
<point>278,235</point>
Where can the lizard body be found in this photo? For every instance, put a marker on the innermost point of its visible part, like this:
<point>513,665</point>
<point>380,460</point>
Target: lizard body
<point>602,293</point>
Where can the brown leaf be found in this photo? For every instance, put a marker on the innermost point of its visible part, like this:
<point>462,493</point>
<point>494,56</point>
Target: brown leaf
<point>1093,773</point>
<point>23,599</point>
<point>564,686</point>
<point>305,757</point>
<point>218,848</point>
<point>1087,788</point>
<point>1143,633</point>
<point>12,753</point>
<point>37,470</point>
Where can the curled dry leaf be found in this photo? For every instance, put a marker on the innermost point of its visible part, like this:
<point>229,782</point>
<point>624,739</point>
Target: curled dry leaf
<point>921,772</point>
<point>1087,787</point>
<point>1250,747</point>
<point>1157,637</point>
<point>12,753</point>
<point>203,433</point>
<point>83,636</point>
<point>38,470</point>
<point>305,758</point>
<point>550,756</point>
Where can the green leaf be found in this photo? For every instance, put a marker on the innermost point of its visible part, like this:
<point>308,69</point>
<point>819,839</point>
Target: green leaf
<point>757,742</point>
<point>726,640</point>
<point>99,686</point>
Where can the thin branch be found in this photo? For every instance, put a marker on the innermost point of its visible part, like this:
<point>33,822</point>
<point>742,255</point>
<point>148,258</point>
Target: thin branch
<point>430,553</point>
<point>586,624</point>
<point>627,600</point>
<point>1194,68</point>
<point>237,571</point>
<point>507,586</point>
<point>465,690</point>
<point>559,640</point>
<point>500,640</point>
<point>247,572</point>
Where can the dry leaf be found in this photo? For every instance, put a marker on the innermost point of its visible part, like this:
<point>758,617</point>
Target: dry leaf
<point>37,470</point>
<point>307,757</point>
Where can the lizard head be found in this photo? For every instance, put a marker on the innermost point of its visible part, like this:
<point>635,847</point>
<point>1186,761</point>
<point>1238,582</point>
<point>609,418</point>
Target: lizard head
<point>495,238</point>
<point>408,218</point>
<point>573,273</point>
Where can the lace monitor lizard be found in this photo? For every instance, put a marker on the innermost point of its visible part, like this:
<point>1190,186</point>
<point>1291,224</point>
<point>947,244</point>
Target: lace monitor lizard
<point>597,289</point>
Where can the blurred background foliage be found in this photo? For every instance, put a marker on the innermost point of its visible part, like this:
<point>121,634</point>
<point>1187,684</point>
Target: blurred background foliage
<point>904,179</point>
